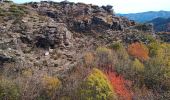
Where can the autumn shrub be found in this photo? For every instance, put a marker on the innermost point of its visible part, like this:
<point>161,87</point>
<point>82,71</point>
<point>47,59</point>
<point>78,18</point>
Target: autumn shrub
<point>139,51</point>
<point>157,70</point>
<point>96,87</point>
<point>50,85</point>
<point>155,49</point>
<point>104,57</point>
<point>89,59</point>
<point>9,90</point>
<point>137,66</point>
<point>121,59</point>
<point>153,68</point>
<point>116,46</point>
<point>137,72</point>
<point>119,85</point>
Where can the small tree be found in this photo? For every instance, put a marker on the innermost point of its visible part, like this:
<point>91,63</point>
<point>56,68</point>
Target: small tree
<point>96,87</point>
<point>137,66</point>
<point>139,51</point>
<point>50,85</point>
<point>104,57</point>
<point>119,85</point>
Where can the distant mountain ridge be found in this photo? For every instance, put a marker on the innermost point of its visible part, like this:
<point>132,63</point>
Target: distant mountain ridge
<point>161,24</point>
<point>146,16</point>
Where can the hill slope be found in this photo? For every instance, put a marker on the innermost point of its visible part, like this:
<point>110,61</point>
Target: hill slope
<point>66,28</point>
<point>76,51</point>
<point>161,24</point>
<point>146,16</point>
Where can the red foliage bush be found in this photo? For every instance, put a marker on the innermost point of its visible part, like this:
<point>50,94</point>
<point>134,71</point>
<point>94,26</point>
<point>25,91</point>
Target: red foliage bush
<point>139,51</point>
<point>119,85</point>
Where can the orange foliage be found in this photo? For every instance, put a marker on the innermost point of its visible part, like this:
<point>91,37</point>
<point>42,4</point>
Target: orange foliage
<point>119,85</point>
<point>139,51</point>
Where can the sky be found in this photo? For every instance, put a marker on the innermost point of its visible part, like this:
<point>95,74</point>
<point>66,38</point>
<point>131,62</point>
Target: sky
<point>123,6</point>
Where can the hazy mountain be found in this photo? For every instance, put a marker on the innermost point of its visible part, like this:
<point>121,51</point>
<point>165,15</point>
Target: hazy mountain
<point>146,16</point>
<point>161,24</point>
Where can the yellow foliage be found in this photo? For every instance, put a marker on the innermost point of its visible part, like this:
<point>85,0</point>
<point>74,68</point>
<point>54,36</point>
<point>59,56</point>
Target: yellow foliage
<point>8,89</point>
<point>104,56</point>
<point>89,59</point>
<point>50,84</point>
<point>156,49</point>
<point>138,66</point>
<point>97,87</point>
<point>27,73</point>
<point>138,50</point>
<point>120,51</point>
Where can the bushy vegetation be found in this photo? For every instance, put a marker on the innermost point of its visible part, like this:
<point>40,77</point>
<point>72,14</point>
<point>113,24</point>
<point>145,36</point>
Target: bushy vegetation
<point>49,87</point>
<point>147,67</point>
<point>9,90</point>
<point>139,51</point>
<point>116,72</point>
<point>13,11</point>
<point>97,87</point>
<point>119,85</point>
<point>50,84</point>
<point>104,57</point>
<point>17,11</point>
<point>137,66</point>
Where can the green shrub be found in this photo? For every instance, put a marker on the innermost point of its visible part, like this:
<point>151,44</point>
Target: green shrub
<point>104,56</point>
<point>122,60</point>
<point>116,46</point>
<point>155,49</point>
<point>49,85</point>
<point>8,90</point>
<point>96,87</point>
<point>157,74</point>
<point>137,66</point>
<point>2,12</point>
<point>157,69</point>
<point>149,38</point>
<point>17,11</point>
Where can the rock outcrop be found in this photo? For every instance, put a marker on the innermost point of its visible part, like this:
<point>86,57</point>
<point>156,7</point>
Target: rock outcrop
<point>54,36</point>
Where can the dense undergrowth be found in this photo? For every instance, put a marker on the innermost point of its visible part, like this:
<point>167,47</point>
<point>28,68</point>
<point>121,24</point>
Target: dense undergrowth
<point>117,72</point>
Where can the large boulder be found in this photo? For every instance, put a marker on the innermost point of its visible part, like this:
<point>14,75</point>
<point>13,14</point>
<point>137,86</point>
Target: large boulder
<point>108,8</point>
<point>4,59</point>
<point>53,36</point>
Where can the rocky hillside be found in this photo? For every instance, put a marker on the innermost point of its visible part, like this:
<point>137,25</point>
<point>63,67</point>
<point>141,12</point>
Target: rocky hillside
<point>56,34</point>
<point>75,51</point>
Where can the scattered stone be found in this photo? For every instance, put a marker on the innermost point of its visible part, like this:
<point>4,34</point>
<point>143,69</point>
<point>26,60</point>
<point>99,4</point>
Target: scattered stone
<point>47,53</point>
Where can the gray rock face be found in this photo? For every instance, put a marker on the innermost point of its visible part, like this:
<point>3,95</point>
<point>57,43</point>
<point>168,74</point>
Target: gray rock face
<point>4,59</point>
<point>54,36</point>
<point>82,17</point>
<point>108,8</point>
